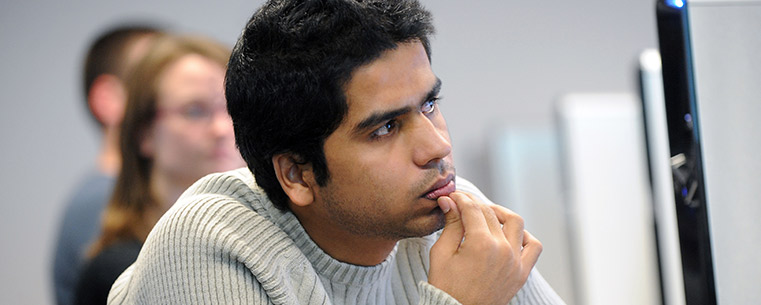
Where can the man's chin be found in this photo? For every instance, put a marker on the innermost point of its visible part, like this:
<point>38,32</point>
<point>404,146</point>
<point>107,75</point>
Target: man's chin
<point>433,223</point>
<point>440,224</point>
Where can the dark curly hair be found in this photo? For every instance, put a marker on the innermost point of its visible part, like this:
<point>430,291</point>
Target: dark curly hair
<point>286,76</point>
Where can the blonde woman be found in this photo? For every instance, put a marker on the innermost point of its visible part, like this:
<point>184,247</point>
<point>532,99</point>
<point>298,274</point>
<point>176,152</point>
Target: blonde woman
<point>176,129</point>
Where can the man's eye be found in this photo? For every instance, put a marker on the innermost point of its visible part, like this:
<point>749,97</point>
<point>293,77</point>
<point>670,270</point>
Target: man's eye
<point>385,129</point>
<point>428,107</point>
<point>195,112</point>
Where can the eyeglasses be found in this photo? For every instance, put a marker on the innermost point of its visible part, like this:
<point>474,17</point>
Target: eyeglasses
<point>196,113</point>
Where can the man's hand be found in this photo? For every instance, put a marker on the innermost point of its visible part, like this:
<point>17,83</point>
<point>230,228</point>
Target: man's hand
<point>484,255</point>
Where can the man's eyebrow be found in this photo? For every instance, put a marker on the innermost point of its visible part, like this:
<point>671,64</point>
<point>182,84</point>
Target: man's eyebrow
<point>434,91</point>
<point>380,117</point>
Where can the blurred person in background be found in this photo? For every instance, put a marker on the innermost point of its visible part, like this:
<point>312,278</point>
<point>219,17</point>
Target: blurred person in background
<point>176,129</point>
<point>110,57</point>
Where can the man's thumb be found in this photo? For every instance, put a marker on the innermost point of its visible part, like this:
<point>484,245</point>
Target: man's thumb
<point>453,231</point>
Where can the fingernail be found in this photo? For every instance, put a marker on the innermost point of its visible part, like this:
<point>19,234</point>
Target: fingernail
<point>444,205</point>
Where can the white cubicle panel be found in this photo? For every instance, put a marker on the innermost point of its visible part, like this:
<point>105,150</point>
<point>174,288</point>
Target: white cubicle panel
<point>662,184</point>
<point>525,176</point>
<point>612,239</point>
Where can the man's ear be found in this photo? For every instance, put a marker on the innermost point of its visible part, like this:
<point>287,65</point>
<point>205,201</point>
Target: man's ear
<point>296,179</point>
<point>107,99</point>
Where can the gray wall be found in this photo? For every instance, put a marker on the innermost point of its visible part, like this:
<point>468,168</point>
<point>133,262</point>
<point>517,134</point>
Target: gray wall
<point>501,62</point>
<point>727,96</point>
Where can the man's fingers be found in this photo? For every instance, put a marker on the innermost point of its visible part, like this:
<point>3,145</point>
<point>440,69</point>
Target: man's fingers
<point>472,216</point>
<point>453,231</point>
<point>512,225</point>
<point>495,226</point>
<point>481,243</point>
<point>532,247</point>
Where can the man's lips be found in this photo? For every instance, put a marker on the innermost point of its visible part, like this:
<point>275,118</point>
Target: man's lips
<point>441,188</point>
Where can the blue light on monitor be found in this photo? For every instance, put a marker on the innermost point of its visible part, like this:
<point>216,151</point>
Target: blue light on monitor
<point>675,3</point>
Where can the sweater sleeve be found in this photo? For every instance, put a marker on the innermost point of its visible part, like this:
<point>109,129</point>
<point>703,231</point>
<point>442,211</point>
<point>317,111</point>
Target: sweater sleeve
<point>536,291</point>
<point>430,295</point>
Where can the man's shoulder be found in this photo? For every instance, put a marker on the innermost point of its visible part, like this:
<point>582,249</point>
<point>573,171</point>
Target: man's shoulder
<point>231,189</point>
<point>226,211</point>
<point>228,183</point>
<point>220,225</point>
<point>214,199</point>
<point>90,193</point>
<point>79,220</point>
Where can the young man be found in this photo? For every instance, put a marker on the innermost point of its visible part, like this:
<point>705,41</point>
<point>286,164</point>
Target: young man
<point>335,110</point>
<point>107,62</point>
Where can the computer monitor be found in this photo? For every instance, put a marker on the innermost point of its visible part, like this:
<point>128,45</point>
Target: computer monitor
<point>711,75</point>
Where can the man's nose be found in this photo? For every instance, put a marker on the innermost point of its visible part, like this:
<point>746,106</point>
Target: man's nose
<point>431,143</point>
<point>222,123</point>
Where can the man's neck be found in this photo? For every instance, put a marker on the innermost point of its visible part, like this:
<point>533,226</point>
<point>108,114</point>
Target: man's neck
<point>341,245</point>
<point>109,159</point>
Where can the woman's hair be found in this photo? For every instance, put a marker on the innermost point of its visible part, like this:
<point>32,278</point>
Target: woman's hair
<point>125,216</point>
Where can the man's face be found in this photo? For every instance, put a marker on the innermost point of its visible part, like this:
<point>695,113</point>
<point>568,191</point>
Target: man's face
<point>391,157</point>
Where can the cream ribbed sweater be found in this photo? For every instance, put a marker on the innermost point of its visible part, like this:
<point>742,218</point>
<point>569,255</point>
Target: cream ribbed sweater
<point>224,242</point>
